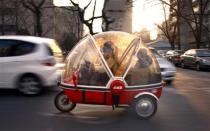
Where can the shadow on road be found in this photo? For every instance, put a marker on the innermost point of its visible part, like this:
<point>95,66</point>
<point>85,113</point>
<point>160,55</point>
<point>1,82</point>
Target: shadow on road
<point>9,92</point>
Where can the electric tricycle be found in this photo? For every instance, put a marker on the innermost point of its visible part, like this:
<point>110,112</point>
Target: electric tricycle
<point>114,69</point>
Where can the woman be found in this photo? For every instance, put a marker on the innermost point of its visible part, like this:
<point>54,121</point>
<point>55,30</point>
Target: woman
<point>110,54</point>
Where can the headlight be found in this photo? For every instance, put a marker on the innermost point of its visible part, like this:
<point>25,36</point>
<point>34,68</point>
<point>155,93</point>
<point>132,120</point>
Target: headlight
<point>205,61</point>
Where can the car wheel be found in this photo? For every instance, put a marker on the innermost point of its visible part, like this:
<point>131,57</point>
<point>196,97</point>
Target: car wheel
<point>198,67</point>
<point>182,64</point>
<point>29,85</point>
<point>63,103</point>
<point>169,81</point>
<point>145,107</point>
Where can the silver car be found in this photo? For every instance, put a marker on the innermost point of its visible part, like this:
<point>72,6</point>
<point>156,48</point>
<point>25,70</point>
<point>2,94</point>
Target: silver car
<point>168,70</point>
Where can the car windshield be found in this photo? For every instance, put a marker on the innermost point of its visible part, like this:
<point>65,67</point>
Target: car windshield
<point>178,52</point>
<point>203,53</point>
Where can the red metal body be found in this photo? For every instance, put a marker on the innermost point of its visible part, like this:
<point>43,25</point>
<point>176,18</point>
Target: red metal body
<point>104,97</point>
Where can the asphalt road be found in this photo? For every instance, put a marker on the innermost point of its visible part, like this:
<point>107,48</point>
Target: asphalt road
<point>184,106</point>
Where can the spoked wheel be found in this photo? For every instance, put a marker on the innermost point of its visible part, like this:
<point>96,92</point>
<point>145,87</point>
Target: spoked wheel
<point>63,103</point>
<point>145,107</point>
<point>29,85</point>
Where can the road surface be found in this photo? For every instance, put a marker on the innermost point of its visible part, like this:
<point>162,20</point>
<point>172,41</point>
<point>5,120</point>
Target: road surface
<point>184,106</point>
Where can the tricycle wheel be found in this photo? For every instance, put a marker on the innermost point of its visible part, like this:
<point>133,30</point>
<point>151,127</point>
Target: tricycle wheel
<point>145,106</point>
<point>63,103</point>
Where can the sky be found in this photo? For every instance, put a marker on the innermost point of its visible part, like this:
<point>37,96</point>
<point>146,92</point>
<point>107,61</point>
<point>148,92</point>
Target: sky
<point>145,14</point>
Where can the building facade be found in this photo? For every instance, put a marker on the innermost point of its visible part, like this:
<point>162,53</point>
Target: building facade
<point>185,31</point>
<point>120,11</point>
<point>16,19</point>
<point>68,28</point>
<point>57,23</point>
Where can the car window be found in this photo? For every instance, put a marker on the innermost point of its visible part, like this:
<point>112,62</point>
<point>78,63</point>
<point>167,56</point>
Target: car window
<point>15,48</point>
<point>49,50</point>
<point>204,53</point>
<point>178,52</point>
<point>21,48</point>
<point>5,47</point>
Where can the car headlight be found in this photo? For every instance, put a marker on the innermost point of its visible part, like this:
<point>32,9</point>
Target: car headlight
<point>205,61</point>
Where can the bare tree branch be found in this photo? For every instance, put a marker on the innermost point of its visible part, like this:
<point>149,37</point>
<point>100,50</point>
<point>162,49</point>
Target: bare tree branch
<point>36,9</point>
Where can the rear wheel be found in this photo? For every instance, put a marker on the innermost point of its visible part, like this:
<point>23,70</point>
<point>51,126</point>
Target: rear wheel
<point>63,103</point>
<point>145,107</point>
<point>29,85</point>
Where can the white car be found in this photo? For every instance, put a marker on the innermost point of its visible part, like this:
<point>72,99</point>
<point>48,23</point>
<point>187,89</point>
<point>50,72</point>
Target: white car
<point>168,70</point>
<point>28,63</point>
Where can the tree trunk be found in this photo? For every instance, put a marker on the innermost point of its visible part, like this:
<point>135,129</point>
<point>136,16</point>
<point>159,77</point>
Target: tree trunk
<point>198,42</point>
<point>178,26</point>
<point>38,23</point>
<point>172,43</point>
<point>2,17</point>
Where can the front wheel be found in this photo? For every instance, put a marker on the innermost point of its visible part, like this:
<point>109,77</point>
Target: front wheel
<point>145,107</point>
<point>63,103</point>
<point>29,85</point>
<point>198,67</point>
<point>182,64</point>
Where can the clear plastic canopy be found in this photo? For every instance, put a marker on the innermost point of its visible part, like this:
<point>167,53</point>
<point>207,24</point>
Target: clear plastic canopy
<point>110,55</point>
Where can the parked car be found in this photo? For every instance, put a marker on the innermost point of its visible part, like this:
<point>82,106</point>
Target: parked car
<point>162,52</point>
<point>197,58</point>
<point>168,70</point>
<point>174,56</point>
<point>29,63</point>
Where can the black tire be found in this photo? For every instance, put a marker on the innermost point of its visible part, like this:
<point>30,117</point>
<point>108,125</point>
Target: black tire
<point>168,81</point>
<point>29,85</point>
<point>182,64</point>
<point>63,103</point>
<point>142,113</point>
<point>198,67</point>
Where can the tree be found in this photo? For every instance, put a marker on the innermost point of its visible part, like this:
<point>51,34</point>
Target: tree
<point>197,18</point>
<point>144,34</point>
<point>81,13</point>
<point>169,29</point>
<point>7,17</point>
<point>193,17</point>
<point>36,7</point>
<point>89,22</point>
<point>68,27</point>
